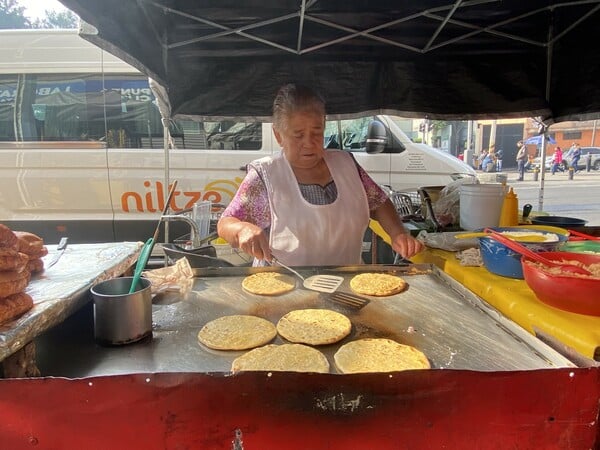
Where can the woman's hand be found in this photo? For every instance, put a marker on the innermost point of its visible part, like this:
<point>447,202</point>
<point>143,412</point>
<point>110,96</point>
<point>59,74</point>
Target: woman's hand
<point>402,242</point>
<point>245,236</point>
<point>406,245</point>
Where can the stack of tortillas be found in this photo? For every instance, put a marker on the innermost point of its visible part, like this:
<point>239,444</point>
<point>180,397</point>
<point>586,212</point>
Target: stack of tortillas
<point>378,355</point>
<point>314,326</point>
<point>377,284</point>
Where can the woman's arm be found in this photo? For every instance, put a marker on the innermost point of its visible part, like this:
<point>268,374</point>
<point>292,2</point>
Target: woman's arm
<point>243,222</point>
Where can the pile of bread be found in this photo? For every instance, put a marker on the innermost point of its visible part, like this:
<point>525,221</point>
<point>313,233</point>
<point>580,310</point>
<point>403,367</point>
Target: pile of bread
<point>21,255</point>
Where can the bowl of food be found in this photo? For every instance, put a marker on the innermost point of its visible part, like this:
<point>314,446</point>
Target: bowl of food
<point>501,260</point>
<point>562,289</point>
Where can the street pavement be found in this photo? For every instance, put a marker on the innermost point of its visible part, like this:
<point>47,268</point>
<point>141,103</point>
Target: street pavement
<point>558,195</point>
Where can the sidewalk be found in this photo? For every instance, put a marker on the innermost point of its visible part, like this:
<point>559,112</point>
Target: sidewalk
<point>512,176</point>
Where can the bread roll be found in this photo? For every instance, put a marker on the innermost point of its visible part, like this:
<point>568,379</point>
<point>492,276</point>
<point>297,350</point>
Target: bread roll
<point>13,282</point>
<point>38,254</point>
<point>11,259</point>
<point>35,265</point>
<point>14,305</point>
<point>29,243</point>
<point>8,239</point>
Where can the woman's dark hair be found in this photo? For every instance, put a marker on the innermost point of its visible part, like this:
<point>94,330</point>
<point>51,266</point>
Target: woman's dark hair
<point>292,98</point>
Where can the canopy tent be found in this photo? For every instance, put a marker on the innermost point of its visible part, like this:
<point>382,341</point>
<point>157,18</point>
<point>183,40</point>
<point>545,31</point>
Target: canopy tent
<point>440,58</point>
<point>443,59</point>
<point>539,140</point>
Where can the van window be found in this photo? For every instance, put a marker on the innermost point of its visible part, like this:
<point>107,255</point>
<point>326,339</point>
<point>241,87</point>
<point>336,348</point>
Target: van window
<point>353,134</point>
<point>117,109</point>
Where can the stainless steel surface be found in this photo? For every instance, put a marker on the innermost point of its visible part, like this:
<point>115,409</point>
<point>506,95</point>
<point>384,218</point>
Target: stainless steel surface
<point>453,327</point>
<point>61,290</point>
<point>60,249</point>
<point>121,317</point>
<point>569,352</point>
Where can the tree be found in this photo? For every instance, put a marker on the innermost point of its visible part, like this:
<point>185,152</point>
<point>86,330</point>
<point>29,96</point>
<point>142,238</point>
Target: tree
<point>12,15</point>
<point>57,19</point>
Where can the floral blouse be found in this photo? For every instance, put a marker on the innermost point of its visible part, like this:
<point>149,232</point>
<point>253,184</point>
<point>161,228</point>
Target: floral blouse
<point>251,203</point>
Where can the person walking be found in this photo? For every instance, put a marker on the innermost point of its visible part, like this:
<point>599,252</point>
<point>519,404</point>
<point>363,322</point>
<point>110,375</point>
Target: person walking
<point>557,160</point>
<point>521,159</point>
<point>575,157</point>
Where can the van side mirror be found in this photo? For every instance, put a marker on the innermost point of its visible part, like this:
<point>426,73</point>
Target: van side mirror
<point>376,137</point>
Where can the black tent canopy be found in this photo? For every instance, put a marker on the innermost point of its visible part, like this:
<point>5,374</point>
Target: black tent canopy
<point>443,59</point>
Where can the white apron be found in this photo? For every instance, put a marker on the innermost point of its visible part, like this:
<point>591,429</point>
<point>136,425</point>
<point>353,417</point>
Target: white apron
<point>303,234</point>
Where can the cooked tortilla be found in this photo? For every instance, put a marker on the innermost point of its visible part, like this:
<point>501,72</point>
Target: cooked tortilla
<point>314,326</point>
<point>282,358</point>
<point>268,283</point>
<point>237,332</point>
<point>377,284</point>
<point>378,355</point>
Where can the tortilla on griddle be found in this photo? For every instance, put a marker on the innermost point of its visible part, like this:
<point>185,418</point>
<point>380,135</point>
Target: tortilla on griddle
<point>378,355</point>
<point>268,283</point>
<point>377,284</point>
<point>314,326</point>
<point>282,358</point>
<point>237,332</point>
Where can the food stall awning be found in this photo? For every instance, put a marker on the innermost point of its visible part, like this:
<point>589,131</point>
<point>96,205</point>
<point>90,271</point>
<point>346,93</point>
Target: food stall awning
<point>444,59</point>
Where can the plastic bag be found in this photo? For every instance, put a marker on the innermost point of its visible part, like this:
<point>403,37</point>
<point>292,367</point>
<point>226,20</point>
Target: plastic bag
<point>447,207</point>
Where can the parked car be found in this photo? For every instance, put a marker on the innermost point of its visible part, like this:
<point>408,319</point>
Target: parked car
<point>568,156</point>
<point>535,163</point>
<point>593,151</point>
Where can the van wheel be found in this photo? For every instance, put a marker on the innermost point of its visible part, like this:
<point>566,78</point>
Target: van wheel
<point>597,164</point>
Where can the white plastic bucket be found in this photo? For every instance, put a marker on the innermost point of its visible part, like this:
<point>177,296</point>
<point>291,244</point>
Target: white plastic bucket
<point>480,205</point>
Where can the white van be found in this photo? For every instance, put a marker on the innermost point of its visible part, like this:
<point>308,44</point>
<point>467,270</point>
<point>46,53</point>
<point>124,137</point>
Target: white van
<point>81,145</point>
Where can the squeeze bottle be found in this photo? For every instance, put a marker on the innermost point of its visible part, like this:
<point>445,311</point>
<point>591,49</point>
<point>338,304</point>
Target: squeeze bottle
<point>509,216</point>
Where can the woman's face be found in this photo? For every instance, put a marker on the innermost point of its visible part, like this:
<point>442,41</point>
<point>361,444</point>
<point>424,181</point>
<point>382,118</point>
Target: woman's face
<point>302,139</point>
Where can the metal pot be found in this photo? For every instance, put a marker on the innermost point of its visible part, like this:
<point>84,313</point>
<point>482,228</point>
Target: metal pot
<point>119,317</point>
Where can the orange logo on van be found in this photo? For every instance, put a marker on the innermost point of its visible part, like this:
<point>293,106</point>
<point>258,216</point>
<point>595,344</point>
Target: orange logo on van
<point>154,196</point>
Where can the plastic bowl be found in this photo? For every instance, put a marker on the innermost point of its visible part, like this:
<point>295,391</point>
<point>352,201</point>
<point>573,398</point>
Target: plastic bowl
<point>581,247</point>
<point>573,294</point>
<point>500,260</point>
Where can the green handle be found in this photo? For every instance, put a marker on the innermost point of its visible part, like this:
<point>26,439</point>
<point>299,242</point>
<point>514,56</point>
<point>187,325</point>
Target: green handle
<point>141,263</point>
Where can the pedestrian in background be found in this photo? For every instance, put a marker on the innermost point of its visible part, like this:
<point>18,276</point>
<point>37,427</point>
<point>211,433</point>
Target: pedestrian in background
<point>575,157</point>
<point>521,159</point>
<point>499,156</point>
<point>481,158</point>
<point>557,160</point>
<point>489,162</point>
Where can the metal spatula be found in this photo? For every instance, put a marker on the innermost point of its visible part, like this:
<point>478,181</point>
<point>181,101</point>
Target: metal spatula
<point>320,283</point>
<point>350,300</point>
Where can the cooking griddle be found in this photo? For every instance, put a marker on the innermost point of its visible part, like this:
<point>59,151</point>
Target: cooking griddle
<point>454,328</point>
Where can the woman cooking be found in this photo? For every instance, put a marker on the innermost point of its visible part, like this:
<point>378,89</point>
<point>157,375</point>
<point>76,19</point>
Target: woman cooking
<point>307,205</point>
